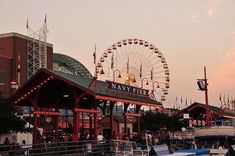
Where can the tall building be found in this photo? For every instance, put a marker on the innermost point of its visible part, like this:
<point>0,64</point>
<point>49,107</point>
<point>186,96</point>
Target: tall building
<point>14,61</point>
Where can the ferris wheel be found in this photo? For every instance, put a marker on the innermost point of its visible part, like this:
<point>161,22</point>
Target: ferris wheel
<point>137,63</point>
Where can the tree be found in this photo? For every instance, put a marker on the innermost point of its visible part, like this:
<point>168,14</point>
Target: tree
<point>8,120</point>
<point>154,121</point>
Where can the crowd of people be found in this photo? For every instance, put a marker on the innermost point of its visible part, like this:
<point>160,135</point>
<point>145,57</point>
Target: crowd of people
<point>15,148</point>
<point>151,138</point>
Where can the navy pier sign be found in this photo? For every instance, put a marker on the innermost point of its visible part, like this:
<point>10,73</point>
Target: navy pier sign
<point>127,89</point>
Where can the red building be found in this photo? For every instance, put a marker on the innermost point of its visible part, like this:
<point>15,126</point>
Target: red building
<point>47,91</point>
<point>196,113</point>
<point>13,61</point>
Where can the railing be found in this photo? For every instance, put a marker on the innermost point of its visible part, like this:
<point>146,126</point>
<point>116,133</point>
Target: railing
<point>182,135</point>
<point>215,131</point>
<point>57,148</point>
<point>125,148</point>
<point>81,148</point>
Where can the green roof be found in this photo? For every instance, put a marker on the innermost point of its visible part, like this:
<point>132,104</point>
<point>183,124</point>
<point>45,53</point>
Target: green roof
<point>71,64</point>
<point>101,89</point>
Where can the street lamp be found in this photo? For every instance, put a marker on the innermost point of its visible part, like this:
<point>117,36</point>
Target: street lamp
<point>147,83</point>
<point>128,78</point>
<point>155,83</point>
<point>102,71</point>
<point>119,74</point>
<point>134,80</point>
<point>203,86</point>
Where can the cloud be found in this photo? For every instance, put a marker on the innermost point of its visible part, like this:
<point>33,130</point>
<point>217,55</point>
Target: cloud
<point>232,34</point>
<point>195,18</point>
<point>223,76</point>
<point>207,11</point>
<point>212,7</point>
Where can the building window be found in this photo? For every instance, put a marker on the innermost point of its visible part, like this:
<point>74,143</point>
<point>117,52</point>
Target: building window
<point>2,77</point>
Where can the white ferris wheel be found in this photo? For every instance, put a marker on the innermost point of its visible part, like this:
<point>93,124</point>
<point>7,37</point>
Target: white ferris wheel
<point>137,63</point>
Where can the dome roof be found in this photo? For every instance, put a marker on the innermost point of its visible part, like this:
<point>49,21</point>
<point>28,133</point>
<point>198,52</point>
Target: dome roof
<point>69,65</point>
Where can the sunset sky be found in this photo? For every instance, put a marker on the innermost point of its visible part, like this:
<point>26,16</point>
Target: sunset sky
<point>190,33</point>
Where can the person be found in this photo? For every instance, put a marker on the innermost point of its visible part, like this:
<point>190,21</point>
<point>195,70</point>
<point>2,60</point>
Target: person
<point>149,139</point>
<point>88,136</point>
<point>156,140</point>
<point>25,147</point>
<point>65,138</point>
<point>6,141</point>
<point>100,138</point>
<point>82,136</point>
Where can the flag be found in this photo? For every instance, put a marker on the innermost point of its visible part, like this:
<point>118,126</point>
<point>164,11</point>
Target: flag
<point>151,74</point>
<point>220,97</point>
<point>27,24</point>
<point>186,102</point>
<point>94,55</point>
<point>45,20</point>
<point>141,70</point>
<point>112,61</point>
<point>127,66</point>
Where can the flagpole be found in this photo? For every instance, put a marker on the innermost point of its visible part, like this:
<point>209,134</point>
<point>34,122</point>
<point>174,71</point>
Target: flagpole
<point>220,99</point>
<point>151,74</point>
<point>112,66</point>
<point>176,102</point>
<point>127,70</point>
<point>94,55</point>
<point>181,100</point>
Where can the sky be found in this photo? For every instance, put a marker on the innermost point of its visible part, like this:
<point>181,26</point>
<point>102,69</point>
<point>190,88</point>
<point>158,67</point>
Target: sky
<point>190,33</point>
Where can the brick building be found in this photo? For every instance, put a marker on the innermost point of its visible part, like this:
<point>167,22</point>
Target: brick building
<point>13,61</point>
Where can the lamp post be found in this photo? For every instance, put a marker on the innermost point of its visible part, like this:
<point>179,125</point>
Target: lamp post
<point>134,80</point>
<point>119,74</point>
<point>206,99</point>
<point>128,78</point>
<point>202,84</point>
<point>156,82</point>
<point>142,81</point>
<point>102,71</point>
